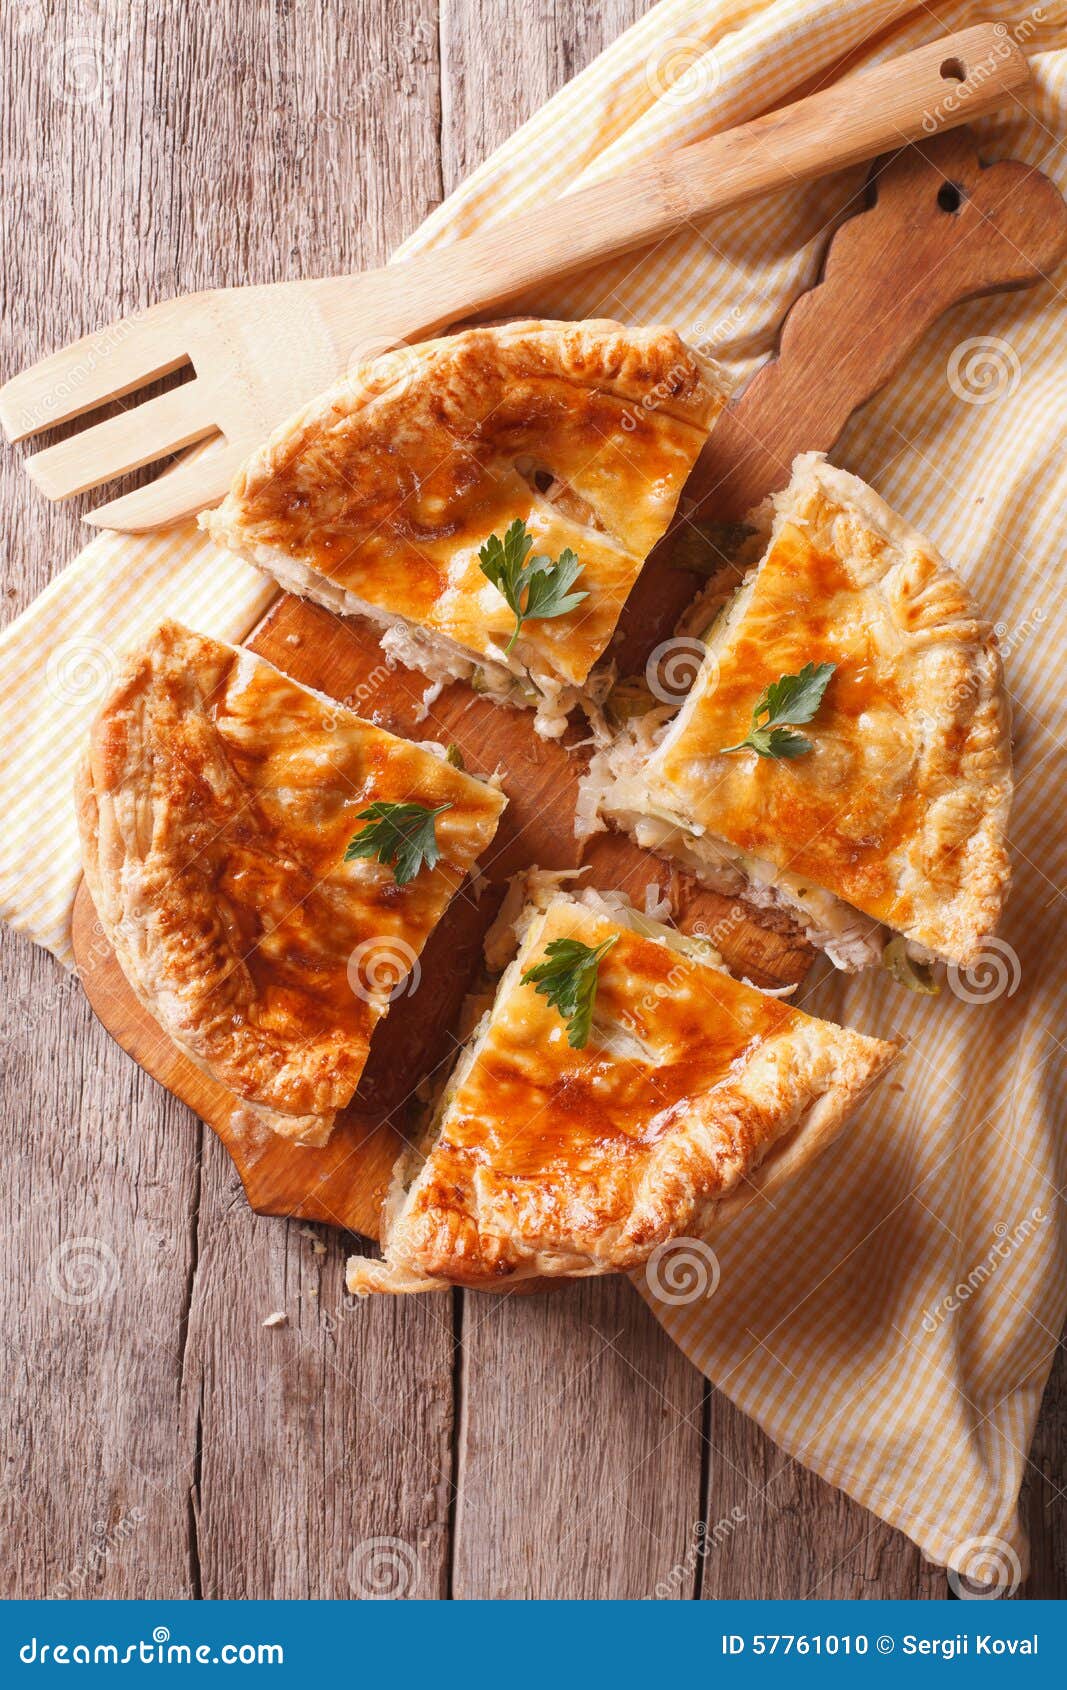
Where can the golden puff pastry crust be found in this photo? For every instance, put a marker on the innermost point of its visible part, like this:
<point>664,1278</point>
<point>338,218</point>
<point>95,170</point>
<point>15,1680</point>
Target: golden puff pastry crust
<point>215,805</point>
<point>694,1093</point>
<point>901,808</point>
<point>376,498</point>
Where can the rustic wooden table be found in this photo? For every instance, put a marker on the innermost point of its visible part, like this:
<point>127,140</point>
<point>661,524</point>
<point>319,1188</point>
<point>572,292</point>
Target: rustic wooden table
<point>161,1441</point>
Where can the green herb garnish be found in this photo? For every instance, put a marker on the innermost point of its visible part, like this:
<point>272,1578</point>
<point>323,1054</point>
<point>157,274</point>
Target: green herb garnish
<point>568,979</point>
<point>402,835</point>
<point>545,584</point>
<point>789,699</point>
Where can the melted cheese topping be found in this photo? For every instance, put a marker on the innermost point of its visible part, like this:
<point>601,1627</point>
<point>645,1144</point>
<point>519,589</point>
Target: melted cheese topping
<point>234,793</point>
<point>849,814</point>
<point>667,1031</point>
<point>586,432</point>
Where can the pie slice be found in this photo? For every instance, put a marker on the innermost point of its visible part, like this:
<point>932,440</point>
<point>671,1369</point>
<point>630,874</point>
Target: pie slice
<point>377,498</point>
<point>693,1093</point>
<point>896,817</point>
<point>216,804</point>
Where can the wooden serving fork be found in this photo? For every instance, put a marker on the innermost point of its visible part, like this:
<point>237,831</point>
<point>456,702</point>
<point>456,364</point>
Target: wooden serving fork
<point>258,353</point>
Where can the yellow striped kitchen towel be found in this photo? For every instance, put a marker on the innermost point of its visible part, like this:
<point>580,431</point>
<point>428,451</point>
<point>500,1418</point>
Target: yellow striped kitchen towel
<point>891,1319</point>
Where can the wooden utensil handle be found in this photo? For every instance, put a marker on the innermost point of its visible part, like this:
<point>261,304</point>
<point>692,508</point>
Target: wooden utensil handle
<point>935,87</point>
<point>944,227</point>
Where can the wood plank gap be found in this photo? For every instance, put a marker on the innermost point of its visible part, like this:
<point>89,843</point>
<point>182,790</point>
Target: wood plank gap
<point>705,1479</point>
<point>458,1460</point>
<point>192,1500</point>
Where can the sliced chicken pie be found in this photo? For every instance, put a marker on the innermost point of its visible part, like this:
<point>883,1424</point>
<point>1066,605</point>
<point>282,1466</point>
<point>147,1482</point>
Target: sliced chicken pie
<point>621,1091</point>
<point>845,749</point>
<point>267,867</point>
<point>486,499</point>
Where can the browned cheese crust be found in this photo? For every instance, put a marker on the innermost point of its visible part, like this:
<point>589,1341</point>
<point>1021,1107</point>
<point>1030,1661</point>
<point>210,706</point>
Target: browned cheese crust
<point>215,805</point>
<point>384,489</point>
<point>901,808</point>
<point>556,1161</point>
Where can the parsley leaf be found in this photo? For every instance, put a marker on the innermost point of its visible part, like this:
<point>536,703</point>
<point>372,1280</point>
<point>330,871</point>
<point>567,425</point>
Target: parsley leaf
<point>789,699</point>
<point>400,834</point>
<point>546,584</point>
<point>568,979</point>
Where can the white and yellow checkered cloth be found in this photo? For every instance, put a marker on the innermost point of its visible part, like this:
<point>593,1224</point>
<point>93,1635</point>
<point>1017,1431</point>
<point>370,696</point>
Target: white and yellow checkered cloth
<point>891,1320</point>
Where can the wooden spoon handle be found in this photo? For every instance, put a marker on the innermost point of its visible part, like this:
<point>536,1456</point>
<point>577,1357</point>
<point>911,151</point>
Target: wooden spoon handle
<point>935,87</point>
<point>941,227</point>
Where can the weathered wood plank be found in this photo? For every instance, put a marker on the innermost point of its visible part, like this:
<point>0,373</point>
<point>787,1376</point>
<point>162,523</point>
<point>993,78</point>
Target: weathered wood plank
<point>99,1184</point>
<point>148,149</point>
<point>578,1468</point>
<point>325,1442</point>
<point>775,1530</point>
<point>1042,1504</point>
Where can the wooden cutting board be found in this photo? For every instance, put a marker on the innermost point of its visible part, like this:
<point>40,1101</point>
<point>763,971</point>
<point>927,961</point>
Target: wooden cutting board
<point>939,228</point>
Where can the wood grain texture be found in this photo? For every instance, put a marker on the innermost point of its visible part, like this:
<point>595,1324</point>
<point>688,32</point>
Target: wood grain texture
<point>957,230</point>
<point>579,1448</point>
<point>219,1457</point>
<point>261,354</point>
